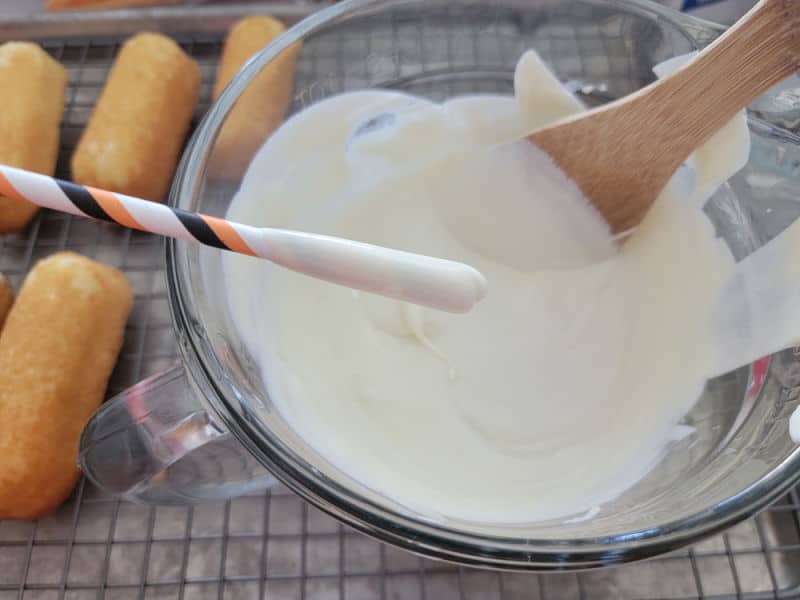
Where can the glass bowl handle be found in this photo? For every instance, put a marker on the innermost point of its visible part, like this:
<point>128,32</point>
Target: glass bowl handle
<point>157,443</point>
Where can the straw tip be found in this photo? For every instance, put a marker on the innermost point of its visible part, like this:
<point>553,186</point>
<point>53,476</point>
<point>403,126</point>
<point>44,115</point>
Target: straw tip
<point>480,284</point>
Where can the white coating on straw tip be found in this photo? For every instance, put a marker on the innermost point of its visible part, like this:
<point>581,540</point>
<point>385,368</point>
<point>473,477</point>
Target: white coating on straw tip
<point>438,283</point>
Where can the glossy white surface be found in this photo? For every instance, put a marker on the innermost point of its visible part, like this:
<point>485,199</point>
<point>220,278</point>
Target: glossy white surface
<point>558,391</point>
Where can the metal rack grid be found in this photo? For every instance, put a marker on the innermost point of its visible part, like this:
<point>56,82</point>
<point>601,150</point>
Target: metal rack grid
<point>274,545</point>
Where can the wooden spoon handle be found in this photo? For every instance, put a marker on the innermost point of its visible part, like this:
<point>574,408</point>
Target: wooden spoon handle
<point>622,154</point>
<point>757,52</point>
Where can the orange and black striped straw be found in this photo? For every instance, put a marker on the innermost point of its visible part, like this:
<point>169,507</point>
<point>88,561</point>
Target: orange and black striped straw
<point>127,211</point>
<point>434,282</point>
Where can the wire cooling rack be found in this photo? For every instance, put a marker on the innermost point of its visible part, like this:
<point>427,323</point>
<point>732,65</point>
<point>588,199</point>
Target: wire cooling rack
<point>274,545</point>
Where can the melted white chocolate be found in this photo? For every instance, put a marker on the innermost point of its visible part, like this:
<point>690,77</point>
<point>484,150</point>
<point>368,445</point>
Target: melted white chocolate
<point>558,391</point>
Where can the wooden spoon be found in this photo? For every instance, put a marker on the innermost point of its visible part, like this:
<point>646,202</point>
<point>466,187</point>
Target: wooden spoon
<point>622,154</point>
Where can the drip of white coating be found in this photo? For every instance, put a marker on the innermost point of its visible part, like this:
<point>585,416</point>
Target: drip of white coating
<point>587,516</point>
<point>757,312</point>
<point>541,97</point>
<point>401,319</point>
<point>412,315</point>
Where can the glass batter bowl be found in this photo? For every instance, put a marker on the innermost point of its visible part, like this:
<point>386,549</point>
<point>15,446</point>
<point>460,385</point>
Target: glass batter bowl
<point>207,429</point>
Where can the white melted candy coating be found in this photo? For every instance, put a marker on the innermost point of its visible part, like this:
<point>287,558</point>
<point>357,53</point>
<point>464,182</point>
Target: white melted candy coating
<point>558,391</point>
